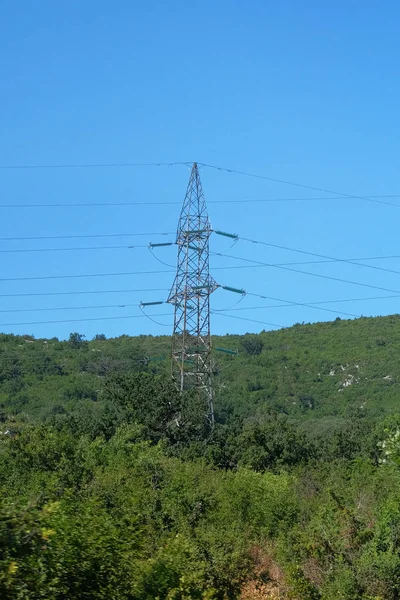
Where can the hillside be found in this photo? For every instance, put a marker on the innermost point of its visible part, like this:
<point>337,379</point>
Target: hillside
<point>113,485</point>
<point>325,371</point>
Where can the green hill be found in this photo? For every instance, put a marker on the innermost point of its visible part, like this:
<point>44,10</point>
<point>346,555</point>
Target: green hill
<point>113,485</point>
<point>325,371</point>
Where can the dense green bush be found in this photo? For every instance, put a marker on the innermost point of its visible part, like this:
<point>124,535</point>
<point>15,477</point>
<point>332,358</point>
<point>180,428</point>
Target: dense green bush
<point>113,485</point>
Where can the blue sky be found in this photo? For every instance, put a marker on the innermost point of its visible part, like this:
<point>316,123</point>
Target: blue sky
<point>300,91</point>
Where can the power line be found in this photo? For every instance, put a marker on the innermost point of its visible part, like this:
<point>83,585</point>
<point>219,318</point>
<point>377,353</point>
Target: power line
<point>70,237</point>
<point>276,266</point>
<point>164,203</point>
<point>128,291</point>
<point>312,304</point>
<point>294,303</point>
<point>123,317</point>
<point>82,320</point>
<point>254,264</point>
<point>251,320</point>
<point>45,277</point>
<point>96,165</point>
<point>300,185</point>
<point>372,198</point>
<point>188,164</point>
<point>82,292</point>
<point>80,248</point>
<point>286,304</point>
<point>133,247</point>
<point>330,258</point>
<point>291,303</point>
<point>305,198</point>
<point>77,249</point>
<point>87,204</point>
<point>19,310</point>
<point>243,201</point>
<point>317,262</point>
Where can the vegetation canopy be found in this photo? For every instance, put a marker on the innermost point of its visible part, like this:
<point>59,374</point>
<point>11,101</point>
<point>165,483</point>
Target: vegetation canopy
<point>113,485</point>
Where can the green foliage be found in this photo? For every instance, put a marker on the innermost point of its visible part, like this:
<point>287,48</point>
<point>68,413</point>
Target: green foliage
<point>154,402</point>
<point>252,344</point>
<point>77,340</point>
<point>113,485</point>
<point>272,443</point>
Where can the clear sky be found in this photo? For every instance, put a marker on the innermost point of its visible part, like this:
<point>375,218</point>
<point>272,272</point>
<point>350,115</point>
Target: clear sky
<point>300,91</point>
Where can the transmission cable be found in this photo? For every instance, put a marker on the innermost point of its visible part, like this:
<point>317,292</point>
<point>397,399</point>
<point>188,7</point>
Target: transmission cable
<point>177,202</point>
<point>45,277</point>
<point>254,264</point>
<point>70,237</point>
<point>94,307</point>
<point>300,185</point>
<point>188,164</point>
<point>153,320</point>
<point>277,266</point>
<point>98,165</point>
<point>82,320</point>
<point>251,320</point>
<point>123,317</point>
<point>82,292</point>
<point>77,249</point>
<point>330,258</point>
<point>313,304</point>
<point>290,302</point>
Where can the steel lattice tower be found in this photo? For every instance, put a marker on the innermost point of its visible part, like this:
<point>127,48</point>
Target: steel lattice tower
<point>190,296</point>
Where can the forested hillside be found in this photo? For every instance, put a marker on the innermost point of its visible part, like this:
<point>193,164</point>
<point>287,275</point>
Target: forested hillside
<point>327,371</point>
<point>115,486</point>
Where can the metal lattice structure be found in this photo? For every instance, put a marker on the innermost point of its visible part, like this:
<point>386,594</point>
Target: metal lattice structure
<point>190,296</point>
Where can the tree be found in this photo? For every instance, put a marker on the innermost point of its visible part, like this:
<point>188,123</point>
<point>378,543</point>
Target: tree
<point>76,340</point>
<point>152,401</point>
<point>252,344</point>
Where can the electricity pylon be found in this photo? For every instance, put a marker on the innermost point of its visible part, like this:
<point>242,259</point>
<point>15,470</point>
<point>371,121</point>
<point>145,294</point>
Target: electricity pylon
<point>190,296</point>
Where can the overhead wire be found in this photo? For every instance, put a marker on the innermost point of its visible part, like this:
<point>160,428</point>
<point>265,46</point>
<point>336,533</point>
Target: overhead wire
<point>82,292</point>
<point>324,256</point>
<point>319,275</point>
<point>81,320</point>
<point>301,199</point>
<point>94,307</point>
<point>172,203</point>
<point>127,291</point>
<point>368,198</point>
<point>251,320</point>
<point>77,249</point>
<point>137,246</point>
<point>254,263</point>
<point>150,247</point>
<point>122,317</point>
<point>293,303</point>
<point>296,184</point>
<point>287,303</point>
<point>152,319</point>
<point>88,204</point>
<point>97,235</point>
<point>96,165</point>
<point>87,275</point>
<point>176,202</point>
<point>305,304</point>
